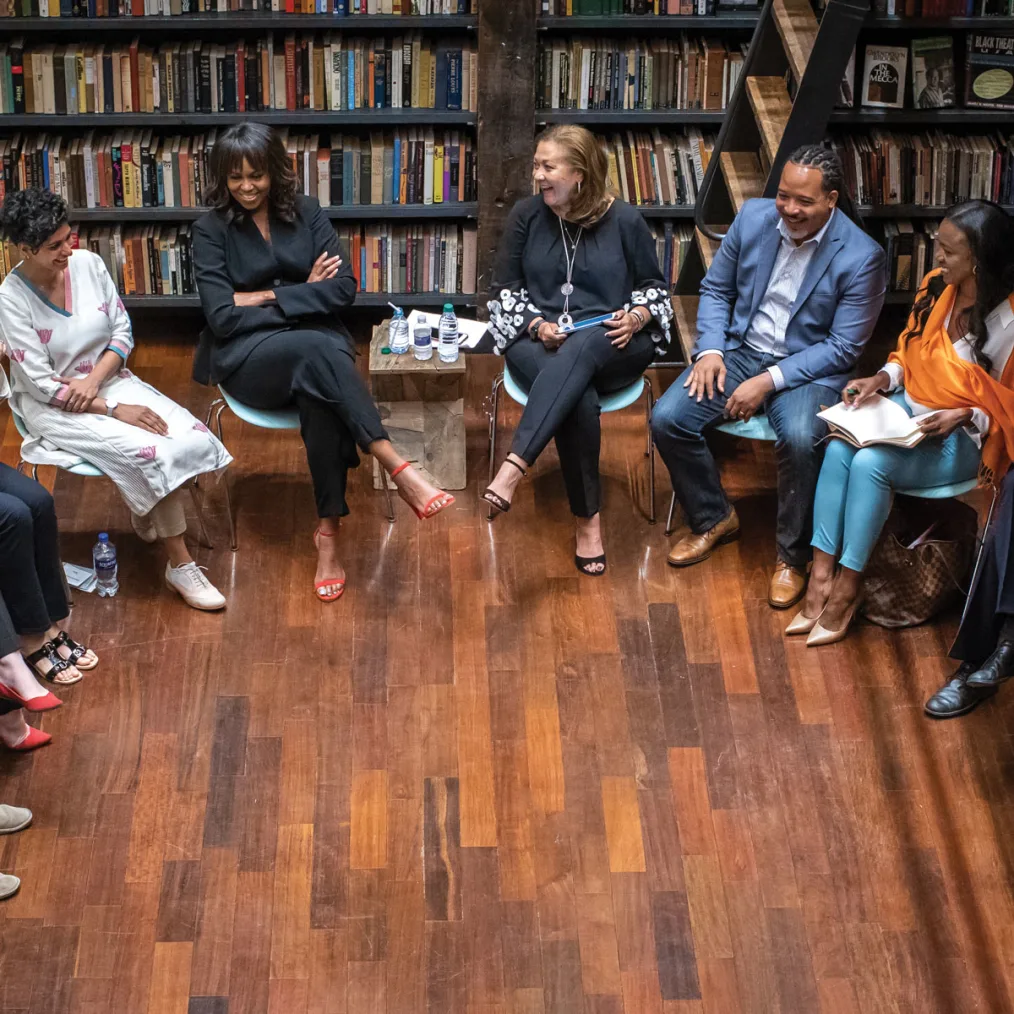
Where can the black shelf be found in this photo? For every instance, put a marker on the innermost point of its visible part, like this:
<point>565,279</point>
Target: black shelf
<point>909,210</point>
<point>941,24</point>
<point>363,299</point>
<point>960,116</point>
<point>378,118</point>
<point>351,212</point>
<point>682,211</point>
<point>630,117</point>
<point>650,22</point>
<point>238,21</point>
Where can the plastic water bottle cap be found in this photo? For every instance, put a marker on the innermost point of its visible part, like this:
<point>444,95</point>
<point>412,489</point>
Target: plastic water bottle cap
<point>385,351</point>
<point>103,536</point>
<point>448,308</point>
<point>399,313</point>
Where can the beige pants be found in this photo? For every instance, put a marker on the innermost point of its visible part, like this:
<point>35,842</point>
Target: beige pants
<point>168,516</point>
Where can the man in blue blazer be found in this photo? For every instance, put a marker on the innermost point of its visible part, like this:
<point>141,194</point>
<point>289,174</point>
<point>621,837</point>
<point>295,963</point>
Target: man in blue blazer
<point>789,302</point>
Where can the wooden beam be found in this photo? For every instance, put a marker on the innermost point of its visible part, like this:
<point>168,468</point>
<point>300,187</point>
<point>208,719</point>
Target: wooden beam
<point>685,312</point>
<point>797,25</point>
<point>708,247</point>
<point>507,56</point>
<point>743,175</point>
<point>772,106</point>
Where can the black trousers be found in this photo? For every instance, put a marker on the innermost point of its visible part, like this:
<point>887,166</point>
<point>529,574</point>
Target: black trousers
<point>316,373</point>
<point>563,389</point>
<point>31,576</point>
<point>991,597</point>
<point>8,645</point>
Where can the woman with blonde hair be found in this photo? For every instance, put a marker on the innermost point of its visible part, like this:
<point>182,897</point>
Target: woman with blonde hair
<point>572,252</point>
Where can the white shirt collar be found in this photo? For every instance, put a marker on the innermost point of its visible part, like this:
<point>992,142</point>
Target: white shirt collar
<point>815,238</point>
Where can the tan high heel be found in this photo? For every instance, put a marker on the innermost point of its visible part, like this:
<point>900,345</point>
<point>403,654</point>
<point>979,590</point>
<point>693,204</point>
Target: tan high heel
<point>821,635</point>
<point>800,624</point>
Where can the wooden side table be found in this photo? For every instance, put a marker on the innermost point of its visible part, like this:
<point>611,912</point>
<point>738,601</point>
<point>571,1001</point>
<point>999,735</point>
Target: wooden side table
<point>422,404</point>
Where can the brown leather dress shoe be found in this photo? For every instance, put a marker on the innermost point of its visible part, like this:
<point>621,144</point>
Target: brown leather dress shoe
<point>694,548</point>
<point>787,586</point>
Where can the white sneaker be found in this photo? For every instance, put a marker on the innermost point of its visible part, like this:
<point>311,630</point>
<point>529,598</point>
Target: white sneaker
<point>9,885</point>
<point>14,818</point>
<point>143,527</point>
<point>197,591</point>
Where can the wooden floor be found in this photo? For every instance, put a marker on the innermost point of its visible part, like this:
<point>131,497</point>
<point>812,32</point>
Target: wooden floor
<point>482,784</point>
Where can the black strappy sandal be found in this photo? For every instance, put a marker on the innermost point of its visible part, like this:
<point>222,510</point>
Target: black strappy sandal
<point>58,665</point>
<point>593,566</point>
<point>497,501</point>
<point>78,652</point>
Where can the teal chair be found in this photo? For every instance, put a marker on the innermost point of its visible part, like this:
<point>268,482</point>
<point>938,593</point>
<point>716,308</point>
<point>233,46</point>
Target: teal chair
<point>87,470</point>
<point>609,403</point>
<point>265,419</point>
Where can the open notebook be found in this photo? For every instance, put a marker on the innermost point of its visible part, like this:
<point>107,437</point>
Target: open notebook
<point>878,421</point>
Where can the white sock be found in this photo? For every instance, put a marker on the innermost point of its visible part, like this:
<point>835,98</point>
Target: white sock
<point>14,673</point>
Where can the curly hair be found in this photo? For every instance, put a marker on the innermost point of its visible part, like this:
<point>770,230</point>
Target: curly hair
<point>989,232</point>
<point>832,173</point>
<point>263,149</point>
<point>29,217</point>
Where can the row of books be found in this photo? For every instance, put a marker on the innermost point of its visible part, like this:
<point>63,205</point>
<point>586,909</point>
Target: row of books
<point>137,169</point>
<point>943,8</point>
<point>330,72</point>
<point>156,8</point>
<point>931,169</point>
<point>655,169</point>
<point>156,260</point>
<point>988,73</point>
<point>678,73</point>
<point>911,249</point>
<point>579,8</point>
<point>673,241</point>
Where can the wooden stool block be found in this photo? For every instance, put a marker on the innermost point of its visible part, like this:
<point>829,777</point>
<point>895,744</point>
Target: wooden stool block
<point>422,404</point>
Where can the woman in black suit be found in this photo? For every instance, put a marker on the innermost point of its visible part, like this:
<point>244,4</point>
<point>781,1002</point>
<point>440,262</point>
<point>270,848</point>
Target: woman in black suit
<point>273,281</point>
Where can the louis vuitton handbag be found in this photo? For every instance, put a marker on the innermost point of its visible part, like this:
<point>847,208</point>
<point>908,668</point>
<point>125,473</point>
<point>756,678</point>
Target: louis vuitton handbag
<point>922,562</point>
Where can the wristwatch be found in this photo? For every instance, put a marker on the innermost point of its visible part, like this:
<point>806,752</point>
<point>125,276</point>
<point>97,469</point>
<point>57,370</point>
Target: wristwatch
<point>111,406</point>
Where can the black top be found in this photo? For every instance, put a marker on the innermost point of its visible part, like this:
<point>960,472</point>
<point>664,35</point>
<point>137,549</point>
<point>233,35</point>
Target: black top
<point>615,267</point>
<point>232,256</point>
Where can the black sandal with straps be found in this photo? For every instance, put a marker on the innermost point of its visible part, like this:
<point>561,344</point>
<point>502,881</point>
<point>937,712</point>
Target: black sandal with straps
<point>593,566</point>
<point>78,652</point>
<point>497,501</point>
<point>48,653</point>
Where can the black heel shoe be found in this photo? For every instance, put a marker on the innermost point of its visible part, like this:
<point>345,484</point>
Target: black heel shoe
<point>593,566</point>
<point>494,499</point>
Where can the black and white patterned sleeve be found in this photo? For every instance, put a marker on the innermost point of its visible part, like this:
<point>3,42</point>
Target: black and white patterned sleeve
<point>655,299</point>
<point>650,290</point>
<point>511,310</point>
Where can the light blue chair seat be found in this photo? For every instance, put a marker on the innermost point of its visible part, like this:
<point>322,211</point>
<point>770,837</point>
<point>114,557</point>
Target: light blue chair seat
<point>608,402</point>
<point>266,419</point>
<point>83,468</point>
<point>941,492</point>
<point>755,428</point>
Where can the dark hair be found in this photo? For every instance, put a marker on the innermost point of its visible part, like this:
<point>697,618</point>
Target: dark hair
<point>261,146</point>
<point>832,174</point>
<point>989,232</point>
<point>29,217</point>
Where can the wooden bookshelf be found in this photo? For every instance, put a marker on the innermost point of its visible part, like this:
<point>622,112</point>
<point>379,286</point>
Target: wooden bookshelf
<point>377,118</point>
<point>337,212</point>
<point>242,21</point>
<point>636,23</point>
<point>630,117</point>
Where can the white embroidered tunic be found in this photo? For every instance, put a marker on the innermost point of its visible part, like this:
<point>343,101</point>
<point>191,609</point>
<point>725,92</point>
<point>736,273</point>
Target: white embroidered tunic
<point>49,346</point>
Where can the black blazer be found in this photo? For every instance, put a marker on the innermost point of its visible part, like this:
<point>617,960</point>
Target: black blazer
<point>232,256</point>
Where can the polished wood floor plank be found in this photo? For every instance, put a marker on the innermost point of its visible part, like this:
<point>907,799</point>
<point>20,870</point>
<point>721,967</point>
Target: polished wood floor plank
<point>483,784</point>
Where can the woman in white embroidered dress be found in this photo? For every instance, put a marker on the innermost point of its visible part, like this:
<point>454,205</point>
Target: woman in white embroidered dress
<point>69,337</point>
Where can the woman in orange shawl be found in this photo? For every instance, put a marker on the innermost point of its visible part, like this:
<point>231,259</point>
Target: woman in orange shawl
<point>952,372</point>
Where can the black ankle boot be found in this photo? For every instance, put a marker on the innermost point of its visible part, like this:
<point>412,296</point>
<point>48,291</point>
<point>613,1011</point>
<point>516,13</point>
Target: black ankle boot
<point>956,697</point>
<point>997,669</point>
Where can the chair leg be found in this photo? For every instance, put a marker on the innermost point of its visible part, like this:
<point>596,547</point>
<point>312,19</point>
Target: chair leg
<point>494,405</point>
<point>672,514</point>
<point>203,537</point>
<point>387,493</point>
<point>650,452</point>
<point>233,543</point>
<point>982,548</point>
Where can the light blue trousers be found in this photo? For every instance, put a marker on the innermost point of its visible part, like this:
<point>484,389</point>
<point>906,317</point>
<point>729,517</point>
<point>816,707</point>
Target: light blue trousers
<point>854,489</point>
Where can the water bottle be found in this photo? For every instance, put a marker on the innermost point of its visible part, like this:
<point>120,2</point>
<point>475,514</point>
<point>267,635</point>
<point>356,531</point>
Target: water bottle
<point>397,335</point>
<point>448,344</point>
<point>104,561</point>
<point>422,341</point>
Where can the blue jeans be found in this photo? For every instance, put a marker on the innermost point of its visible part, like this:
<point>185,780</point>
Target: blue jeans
<point>855,487</point>
<point>678,425</point>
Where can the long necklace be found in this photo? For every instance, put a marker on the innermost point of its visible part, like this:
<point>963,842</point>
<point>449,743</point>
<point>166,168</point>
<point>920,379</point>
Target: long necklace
<point>570,255</point>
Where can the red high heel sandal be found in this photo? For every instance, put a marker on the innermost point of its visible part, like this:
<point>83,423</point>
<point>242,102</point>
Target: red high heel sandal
<point>34,739</point>
<point>328,581</point>
<point>433,506</point>
<point>47,702</point>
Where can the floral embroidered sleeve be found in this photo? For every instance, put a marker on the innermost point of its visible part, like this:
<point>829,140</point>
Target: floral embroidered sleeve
<point>121,335</point>
<point>510,310</point>
<point>26,346</point>
<point>650,291</point>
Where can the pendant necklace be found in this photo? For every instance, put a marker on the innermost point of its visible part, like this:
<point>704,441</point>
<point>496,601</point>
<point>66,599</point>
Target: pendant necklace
<point>565,320</point>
